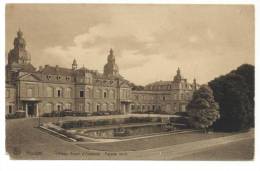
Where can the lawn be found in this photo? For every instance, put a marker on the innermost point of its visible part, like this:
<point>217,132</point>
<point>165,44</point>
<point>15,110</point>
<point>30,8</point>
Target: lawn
<point>241,150</point>
<point>152,142</point>
<point>24,141</point>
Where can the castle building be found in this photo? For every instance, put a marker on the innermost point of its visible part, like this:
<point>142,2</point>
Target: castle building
<point>55,88</point>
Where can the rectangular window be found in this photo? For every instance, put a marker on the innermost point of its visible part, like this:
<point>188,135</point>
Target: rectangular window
<point>10,109</point>
<point>29,92</point>
<point>81,93</point>
<point>105,95</point>
<point>59,93</point>
<point>7,93</point>
<point>81,107</point>
<point>59,108</point>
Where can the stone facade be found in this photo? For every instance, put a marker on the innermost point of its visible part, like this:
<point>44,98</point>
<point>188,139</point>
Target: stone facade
<point>54,88</point>
<point>164,96</point>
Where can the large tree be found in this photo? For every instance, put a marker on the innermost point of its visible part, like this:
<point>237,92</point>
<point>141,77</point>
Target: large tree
<point>202,109</point>
<point>234,93</point>
<point>248,73</point>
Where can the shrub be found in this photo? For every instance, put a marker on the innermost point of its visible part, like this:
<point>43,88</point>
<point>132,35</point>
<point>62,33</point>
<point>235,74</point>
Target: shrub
<point>19,114</point>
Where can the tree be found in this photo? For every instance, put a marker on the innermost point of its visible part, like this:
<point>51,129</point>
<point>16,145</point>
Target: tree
<point>202,109</point>
<point>248,73</point>
<point>235,101</point>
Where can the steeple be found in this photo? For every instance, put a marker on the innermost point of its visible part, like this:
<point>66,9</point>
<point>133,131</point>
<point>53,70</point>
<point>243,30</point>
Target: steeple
<point>74,64</point>
<point>19,33</point>
<point>19,41</point>
<point>111,67</point>
<point>177,77</point>
<point>111,57</point>
<point>194,84</point>
<point>178,71</point>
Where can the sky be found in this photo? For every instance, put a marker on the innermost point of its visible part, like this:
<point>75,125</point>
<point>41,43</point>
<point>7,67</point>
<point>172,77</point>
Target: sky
<point>149,41</point>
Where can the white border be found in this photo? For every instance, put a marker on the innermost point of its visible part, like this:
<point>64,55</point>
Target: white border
<point>6,164</point>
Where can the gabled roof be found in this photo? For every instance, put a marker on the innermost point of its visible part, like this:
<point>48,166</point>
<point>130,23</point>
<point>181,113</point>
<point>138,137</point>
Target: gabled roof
<point>29,77</point>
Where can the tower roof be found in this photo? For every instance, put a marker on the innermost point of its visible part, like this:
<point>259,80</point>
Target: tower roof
<point>74,62</point>
<point>19,33</point>
<point>19,41</point>
<point>111,67</point>
<point>177,77</point>
<point>111,57</point>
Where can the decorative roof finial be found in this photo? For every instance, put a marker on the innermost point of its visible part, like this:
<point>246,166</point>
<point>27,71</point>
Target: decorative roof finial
<point>178,71</point>
<point>74,62</point>
<point>19,33</point>
<point>111,51</point>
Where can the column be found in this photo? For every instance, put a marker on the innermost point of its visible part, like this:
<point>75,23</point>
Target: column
<point>124,109</point>
<point>37,110</point>
<point>26,110</point>
<point>129,108</point>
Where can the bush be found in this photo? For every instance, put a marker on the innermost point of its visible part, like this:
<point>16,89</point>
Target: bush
<point>53,114</point>
<point>104,122</point>
<point>181,113</point>
<point>19,114</point>
<point>181,120</point>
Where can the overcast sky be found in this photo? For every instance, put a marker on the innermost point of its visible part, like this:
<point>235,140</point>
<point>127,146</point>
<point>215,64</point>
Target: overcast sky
<point>150,41</point>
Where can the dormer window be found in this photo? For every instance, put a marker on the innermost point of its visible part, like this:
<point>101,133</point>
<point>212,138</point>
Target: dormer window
<point>58,77</point>
<point>48,77</point>
<point>67,78</point>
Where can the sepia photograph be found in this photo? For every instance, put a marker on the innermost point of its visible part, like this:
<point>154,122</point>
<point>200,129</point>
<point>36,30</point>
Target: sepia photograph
<point>130,82</point>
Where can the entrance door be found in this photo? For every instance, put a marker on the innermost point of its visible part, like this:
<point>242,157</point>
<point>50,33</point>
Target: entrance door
<point>31,109</point>
<point>59,108</point>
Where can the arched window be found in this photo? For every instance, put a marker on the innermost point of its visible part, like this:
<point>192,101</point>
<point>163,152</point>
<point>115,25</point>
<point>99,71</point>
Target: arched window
<point>7,93</point>
<point>104,94</point>
<point>168,108</point>
<point>49,92</point>
<point>111,94</point>
<point>68,106</point>
<point>69,92</point>
<point>48,107</point>
<point>183,108</point>
<point>182,96</point>
<point>10,108</point>
<point>132,107</point>
<point>163,98</point>
<point>88,93</point>
<point>87,107</point>
<point>112,107</point>
<point>29,92</point>
<point>59,107</point>
<point>98,93</point>
<point>59,92</point>
<point>98,107</point>
<point>81,107</point>
<point>104,107</point>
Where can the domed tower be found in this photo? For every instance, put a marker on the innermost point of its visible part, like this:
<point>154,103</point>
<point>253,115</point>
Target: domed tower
<point>111,67</point>
<point>19,54</point>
